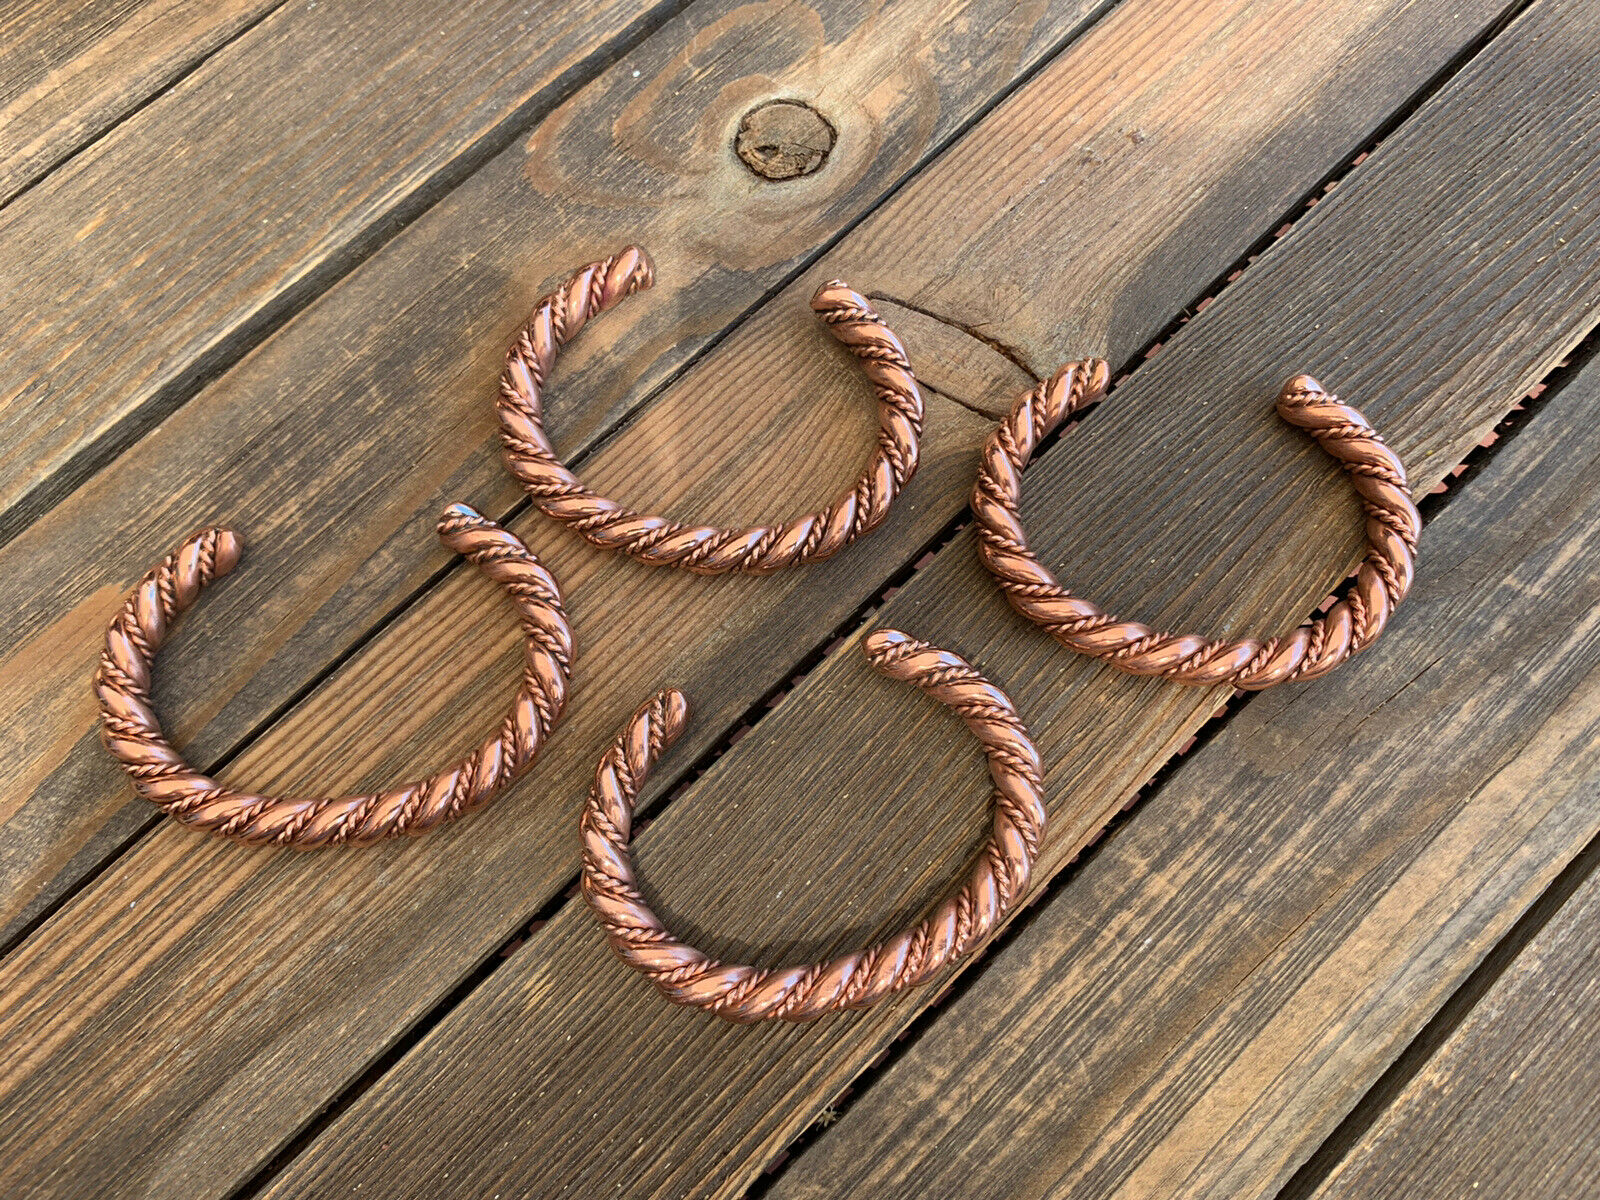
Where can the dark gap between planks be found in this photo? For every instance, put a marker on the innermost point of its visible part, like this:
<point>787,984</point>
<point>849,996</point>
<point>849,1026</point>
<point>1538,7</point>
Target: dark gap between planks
<point>215,363</point>
<point>157,90</point>
<point>1455,1008</point>
<point>1348,1133</point>
<point>362,245</point>
<point>769,701</point>
<point>248,1189</point>
<point>601,440</point>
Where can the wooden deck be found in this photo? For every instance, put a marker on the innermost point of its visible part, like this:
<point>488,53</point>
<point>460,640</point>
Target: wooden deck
<point>262,260</point>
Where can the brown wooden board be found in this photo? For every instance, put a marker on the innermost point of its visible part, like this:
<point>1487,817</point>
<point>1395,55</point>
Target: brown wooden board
<point>1196,1008</point>
<point>368,483</point>
<point>1192,1012</point>
<point>157,256</point>
<point>69,71</point>
<point>334,445</point>
<point>1510,1104</point>
<point>849,807</point>
<point>306,969</point>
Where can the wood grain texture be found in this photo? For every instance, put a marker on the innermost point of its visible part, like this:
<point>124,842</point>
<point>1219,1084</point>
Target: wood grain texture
<point>369,480</point>
<point>356,948</point>
<point>360,940</point>
<point>1197,1008</point>
<point>157,255</point>
<point>374,407</point>
<point>69,71</point>
<point>316,412</point>
<point>762,858</point>
<point>1510,1103</point>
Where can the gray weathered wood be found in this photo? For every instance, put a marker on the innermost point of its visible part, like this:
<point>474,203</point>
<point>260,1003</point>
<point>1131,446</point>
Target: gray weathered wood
<point>1510,1103</point>
<point>155,257</point>
<point>1195,1011</point>
<point>334,445</point>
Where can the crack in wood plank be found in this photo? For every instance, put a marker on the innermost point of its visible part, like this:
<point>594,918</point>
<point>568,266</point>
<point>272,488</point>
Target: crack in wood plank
<point>309,413</point>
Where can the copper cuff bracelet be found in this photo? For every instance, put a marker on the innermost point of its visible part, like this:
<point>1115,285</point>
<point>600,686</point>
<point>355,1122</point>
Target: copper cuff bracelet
<point>997,878</point>
<point>660,542</point>
<point>160,775</point>
<point>1310,651</point>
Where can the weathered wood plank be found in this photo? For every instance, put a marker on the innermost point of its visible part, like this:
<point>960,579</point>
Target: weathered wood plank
<point>1194,1012</point>
<point>341,980</point>
<point>221,1091</point>
<point>368,482</point>
<point>70,71</point>
<point>1510,1103</point>
<point>847,809</point>
<point>1201,1004</point>
<point>152,259</point>
<point>374,407</point>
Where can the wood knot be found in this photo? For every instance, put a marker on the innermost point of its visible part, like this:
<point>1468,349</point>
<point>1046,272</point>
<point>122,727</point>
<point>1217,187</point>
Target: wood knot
<point>784,139</point>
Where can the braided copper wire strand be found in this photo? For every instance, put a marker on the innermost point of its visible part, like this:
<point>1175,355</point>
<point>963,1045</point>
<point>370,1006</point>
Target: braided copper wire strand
<point>160,774</point>
<point>997,879</point>
<point>704,549</point>
<point>1310,651</point>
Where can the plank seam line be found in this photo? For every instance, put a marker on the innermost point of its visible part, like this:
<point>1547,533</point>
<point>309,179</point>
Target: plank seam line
<point>266,1175</point>
<point>967,975</point>
<point>1430,507</point>
<point>656,799</point>
<point>215,362</point>
<point>624,421</point>
<point>1431,1038</point>
<point>575,462</point>
<point>382,228</point>
<point>157,91</point>
<point>680,779</point>
<point>1419,1051</point>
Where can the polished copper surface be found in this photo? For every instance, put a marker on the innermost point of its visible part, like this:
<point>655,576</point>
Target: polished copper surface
<point>660,542</point>
<point>998,877</point>
<point>1310,651</point>
<point>161,776</point>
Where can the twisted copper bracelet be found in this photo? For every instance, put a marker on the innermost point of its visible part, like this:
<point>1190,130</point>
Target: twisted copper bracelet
<point>704,549</point>
<point>1310,651</point>
<point>161,776</point>
<point>997,879</point>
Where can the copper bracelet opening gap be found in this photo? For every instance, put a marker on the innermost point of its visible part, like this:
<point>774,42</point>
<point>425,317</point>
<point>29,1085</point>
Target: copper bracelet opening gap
<point>134,736</point>
<point>1312,650</point>
<point>705,549</point>
<point>997,879</point>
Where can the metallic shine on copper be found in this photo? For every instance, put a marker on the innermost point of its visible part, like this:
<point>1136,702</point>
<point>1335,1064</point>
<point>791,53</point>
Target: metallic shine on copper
<point>704,549</point>
<point>997,879</point>
<point>160,775</point>
<point>1310,651</point>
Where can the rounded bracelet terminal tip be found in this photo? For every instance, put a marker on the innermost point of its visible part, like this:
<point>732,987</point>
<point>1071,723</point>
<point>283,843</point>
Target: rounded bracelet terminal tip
<point>1309,652</point>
